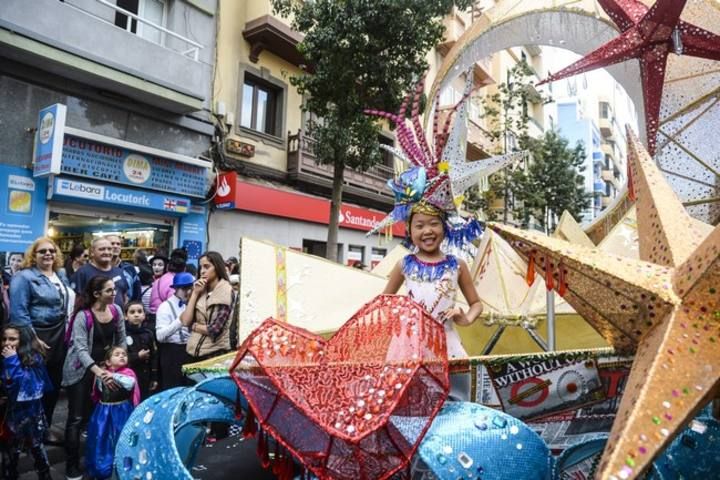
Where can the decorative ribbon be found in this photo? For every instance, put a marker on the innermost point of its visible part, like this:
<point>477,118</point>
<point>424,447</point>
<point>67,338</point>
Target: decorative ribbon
<point>281,284</point>
<point>530,275</point>
<point>549,283</point>
<point>562,280</point>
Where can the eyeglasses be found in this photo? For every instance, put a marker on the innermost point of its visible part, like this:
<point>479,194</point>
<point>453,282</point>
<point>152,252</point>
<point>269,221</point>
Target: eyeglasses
<point>43,251</point>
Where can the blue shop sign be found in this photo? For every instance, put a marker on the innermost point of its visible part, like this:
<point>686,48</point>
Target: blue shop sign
<point>193,232</point>
<point>110,163</point>
<point>22,208</point>
<point>48,140</point>
<point>99,194</point>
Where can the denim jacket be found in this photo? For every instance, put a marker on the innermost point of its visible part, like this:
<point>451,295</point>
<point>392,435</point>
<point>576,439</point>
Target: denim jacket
<point>34,300</point>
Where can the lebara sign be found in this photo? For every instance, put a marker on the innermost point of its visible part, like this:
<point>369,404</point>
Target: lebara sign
<point>93,193</point>
<point>49,140</point>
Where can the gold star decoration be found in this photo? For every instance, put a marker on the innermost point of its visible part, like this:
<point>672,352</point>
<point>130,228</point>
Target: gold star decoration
<point>665,308</point>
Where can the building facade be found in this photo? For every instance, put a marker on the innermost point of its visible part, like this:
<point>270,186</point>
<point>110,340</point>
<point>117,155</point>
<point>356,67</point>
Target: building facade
<point>593,108</point>
<point>104,107</point>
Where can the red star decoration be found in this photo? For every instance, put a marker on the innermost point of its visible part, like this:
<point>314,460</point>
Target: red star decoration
<point>647,34</point>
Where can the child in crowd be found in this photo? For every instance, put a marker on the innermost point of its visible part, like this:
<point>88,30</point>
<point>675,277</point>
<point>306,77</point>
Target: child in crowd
<point>112,410</point>
<point>142,355</point>
<point>172,336</point>
<point>25,380</point>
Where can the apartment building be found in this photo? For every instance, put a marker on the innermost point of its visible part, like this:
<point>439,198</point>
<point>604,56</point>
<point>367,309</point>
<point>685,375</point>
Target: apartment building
<point>594,109</point>
<point>104,107</point>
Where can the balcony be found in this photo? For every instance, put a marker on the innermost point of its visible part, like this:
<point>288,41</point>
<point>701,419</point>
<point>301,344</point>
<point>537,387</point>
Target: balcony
<point>303,168</point>
<point>79,40</point>
<point>482,72</point>
<point>606,201</point>
<point>269,33</point>
<point>454,28</point>
<point>606,127</point>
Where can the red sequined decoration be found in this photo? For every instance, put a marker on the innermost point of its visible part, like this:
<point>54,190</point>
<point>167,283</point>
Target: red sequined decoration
<point>649,35</point>
<point>356,406</point>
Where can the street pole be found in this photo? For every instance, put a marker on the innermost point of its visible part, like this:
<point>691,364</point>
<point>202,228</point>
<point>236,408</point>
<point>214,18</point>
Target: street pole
<point>550,300</point>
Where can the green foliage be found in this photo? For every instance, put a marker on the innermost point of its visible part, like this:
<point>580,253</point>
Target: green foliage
<point>551,183</point>
<point>364,54</point>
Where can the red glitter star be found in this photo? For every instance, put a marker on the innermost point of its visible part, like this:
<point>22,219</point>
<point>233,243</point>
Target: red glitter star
<point>648,35</point>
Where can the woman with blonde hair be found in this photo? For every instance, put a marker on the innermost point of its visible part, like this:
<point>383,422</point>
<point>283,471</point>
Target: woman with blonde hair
<point>41,299</point>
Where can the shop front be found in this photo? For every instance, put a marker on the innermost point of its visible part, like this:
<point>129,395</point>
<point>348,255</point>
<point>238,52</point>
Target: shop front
<point>85,185</point>
<point>294,219</point>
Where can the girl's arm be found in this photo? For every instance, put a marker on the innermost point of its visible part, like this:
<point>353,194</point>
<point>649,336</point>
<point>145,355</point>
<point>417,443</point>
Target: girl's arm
<point>187,317</point>
<point>395,280</point>
<point>467,287</point>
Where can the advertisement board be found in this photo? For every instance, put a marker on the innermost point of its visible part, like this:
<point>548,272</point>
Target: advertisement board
<point>49,140</point>
<point>22,208</point>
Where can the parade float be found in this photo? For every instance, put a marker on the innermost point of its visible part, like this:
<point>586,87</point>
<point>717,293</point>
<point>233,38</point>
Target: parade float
<point>367,401</point>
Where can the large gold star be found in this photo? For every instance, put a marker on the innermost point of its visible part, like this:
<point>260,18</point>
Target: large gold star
<point>664,307</point>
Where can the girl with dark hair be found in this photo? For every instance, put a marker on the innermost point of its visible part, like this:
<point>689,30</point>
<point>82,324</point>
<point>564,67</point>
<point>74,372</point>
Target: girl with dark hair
<point>96,327</point>
<point>26,381</point>
<point>142,355</point>
<point>207,315</point>
<point>161,289</point>
<point>77,258</point>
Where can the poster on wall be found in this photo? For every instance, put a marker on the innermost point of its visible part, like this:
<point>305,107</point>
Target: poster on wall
<point>193,232</point>
<point>22,208</point>
<point>535,388</point>
<point>49,140</point>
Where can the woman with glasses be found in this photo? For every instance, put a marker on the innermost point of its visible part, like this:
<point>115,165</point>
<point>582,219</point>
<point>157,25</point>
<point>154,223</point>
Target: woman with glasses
<point>41,298</point>
<point>96,327</point>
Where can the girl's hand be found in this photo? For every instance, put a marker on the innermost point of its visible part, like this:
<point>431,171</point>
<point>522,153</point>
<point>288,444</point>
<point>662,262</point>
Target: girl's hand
<point>199,286</point>
<point>106,378</point>
<point>43,345</point>
<point>457,315</point>
<point>144,354</point>
<point>9,351</point>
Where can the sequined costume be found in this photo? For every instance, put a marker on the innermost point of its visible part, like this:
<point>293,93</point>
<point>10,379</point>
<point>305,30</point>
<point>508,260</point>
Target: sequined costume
<point>25,417</point>
<point>434,286</point>
<point>112,410</point>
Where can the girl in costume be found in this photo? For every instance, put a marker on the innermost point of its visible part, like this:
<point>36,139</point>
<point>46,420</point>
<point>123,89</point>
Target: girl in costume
<point>25,380</point>
<point>432,279</point>
<point>142,354</point>
<point>112,410</point>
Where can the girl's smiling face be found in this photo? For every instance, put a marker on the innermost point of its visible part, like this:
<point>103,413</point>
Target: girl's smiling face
<point>135,314</point>
<point>106,295</point>
<point>426,232</point>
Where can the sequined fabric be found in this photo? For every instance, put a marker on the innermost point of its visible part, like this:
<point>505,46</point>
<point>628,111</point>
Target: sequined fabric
<point>353,407</point>
<point>470,441</point>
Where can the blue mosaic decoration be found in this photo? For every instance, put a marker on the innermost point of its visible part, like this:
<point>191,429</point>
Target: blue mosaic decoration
<point>164,433</point>
<point>695,453</point>
<point>461,232</point>
<point>429,272</point>
<point>470,441</point>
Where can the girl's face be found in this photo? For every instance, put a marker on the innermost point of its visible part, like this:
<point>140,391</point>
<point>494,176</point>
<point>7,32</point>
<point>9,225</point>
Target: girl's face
<point>82,259</point>
<point>118,358</point>
<point>158,267</point>
<point>45,255</point>
<point>136,314</point>
<point>207,270</point>
<point>15,261</point>
<point>426,232</point>
<point>106,295</point>
<point>11,338</point>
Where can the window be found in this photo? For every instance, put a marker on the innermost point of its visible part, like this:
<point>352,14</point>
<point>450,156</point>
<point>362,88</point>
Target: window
<point>355,256</point>
<point>150,10</point>
<point>260,105</point>
<point>604,110</point>
<point>388,158</point>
